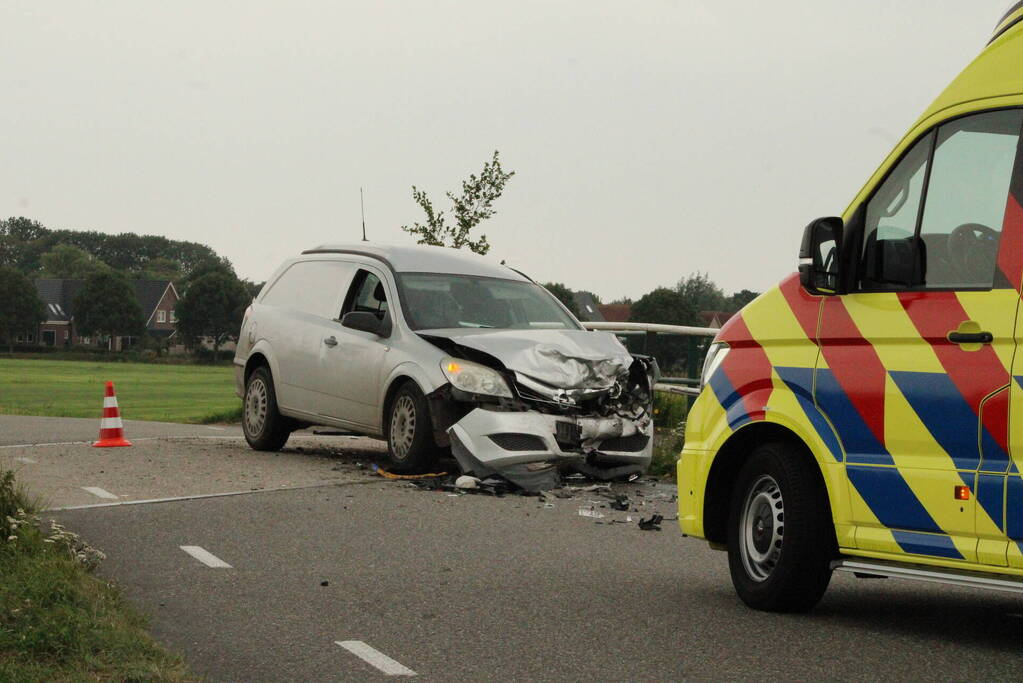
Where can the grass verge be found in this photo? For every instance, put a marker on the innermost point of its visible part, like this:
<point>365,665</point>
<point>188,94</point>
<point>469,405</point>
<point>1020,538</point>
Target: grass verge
<point>198,394</point>
<point>58,622</point>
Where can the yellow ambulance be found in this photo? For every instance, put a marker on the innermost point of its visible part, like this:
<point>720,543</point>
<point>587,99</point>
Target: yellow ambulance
<point>866,414</point>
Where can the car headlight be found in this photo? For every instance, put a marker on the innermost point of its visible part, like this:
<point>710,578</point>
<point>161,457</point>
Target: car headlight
<point>715,356</point>
<point>475,378</point>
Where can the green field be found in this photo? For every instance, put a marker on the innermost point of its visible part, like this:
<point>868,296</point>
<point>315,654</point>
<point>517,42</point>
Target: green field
<point>167,393</point>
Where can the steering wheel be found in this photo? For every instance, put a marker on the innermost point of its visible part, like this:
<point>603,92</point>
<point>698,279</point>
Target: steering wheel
<point>972,249</point>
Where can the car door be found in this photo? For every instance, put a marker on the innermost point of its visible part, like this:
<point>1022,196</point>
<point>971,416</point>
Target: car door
<point>304,301</point>
<point>915,361</point>
<point>355,370</point>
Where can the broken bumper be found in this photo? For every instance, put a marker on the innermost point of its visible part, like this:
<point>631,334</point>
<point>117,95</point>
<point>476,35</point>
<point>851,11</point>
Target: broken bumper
<point>518,445</point>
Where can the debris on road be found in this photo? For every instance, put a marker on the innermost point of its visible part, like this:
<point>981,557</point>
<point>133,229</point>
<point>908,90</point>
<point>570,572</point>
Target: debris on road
<point>590,512</point>
<point>390,475</point>
<point>652,524</point>
<point>621,503</point>
<point>466,482</point>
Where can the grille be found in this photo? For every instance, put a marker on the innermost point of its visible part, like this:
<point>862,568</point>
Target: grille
<point>519,442</point>
<point>625,444</point>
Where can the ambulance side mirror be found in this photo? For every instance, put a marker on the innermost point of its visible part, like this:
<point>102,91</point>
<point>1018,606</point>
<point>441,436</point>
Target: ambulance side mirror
<point>820,256</point>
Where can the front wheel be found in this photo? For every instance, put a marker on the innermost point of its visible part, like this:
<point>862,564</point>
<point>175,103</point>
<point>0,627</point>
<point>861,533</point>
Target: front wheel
<point>410,443</point>
<point>781,538</point>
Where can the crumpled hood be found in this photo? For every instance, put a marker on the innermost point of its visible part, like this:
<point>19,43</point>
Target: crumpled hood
<point>566,359</point>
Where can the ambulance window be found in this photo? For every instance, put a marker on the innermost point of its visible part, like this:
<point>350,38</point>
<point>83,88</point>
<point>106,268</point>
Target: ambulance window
<point>891,218</point>
<point>966,198</point>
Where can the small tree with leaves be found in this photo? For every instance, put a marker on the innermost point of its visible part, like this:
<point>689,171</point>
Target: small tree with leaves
<point>107,307</point>
<point>471,208</point>
<point>212,309</point>
<point>20,308</point>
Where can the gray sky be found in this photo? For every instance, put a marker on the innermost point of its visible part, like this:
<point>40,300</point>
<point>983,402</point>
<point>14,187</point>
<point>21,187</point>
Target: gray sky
<point>650,139</point>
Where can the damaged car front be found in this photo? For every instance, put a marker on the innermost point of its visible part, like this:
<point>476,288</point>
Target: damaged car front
<point>529,392</point>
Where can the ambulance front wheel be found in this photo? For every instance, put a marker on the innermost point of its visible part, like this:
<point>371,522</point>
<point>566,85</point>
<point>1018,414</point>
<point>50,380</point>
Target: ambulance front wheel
<point>781,539</point>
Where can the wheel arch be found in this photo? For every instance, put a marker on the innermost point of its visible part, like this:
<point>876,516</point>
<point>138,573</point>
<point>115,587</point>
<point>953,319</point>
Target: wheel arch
<point>729,460</point>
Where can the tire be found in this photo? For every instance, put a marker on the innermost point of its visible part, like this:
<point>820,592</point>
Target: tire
<point>409,430</point>
<point>264,427</point>
<point>781,538</point>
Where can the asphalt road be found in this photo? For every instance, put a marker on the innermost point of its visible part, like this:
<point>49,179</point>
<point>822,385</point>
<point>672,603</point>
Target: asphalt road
<point>477,588</point>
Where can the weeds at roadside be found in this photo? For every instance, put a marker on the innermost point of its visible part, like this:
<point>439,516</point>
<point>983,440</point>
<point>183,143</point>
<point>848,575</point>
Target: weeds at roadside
<point>57,620</point>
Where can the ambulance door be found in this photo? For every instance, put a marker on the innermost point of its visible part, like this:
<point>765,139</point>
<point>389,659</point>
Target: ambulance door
<point>913,356</point>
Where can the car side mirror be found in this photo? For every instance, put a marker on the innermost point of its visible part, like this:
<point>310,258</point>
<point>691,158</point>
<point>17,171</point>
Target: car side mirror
<point>364,321</point>
<point>820,256</point>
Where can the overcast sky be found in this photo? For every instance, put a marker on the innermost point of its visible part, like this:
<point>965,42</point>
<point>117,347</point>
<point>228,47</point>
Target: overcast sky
<point>650,139</point>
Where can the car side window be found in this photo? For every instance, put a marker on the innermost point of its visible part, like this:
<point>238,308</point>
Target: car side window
<point>966,198</point>
<point>891,218</point>
<point>367,294</point>
<point>936,221</point>
<point>313,287</point>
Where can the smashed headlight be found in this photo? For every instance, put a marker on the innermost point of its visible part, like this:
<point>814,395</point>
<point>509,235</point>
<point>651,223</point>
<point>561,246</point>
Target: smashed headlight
<point>474,378</point>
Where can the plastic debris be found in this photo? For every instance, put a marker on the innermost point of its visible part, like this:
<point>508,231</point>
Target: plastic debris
<point>620,503</point>
<point>466,482</point>
<point>390,475</point>
<point>590,512</point>
<point>652,524</point>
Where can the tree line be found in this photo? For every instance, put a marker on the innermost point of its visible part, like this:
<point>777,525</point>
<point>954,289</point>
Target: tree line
<point>213,297</point>
<point>681,304</point>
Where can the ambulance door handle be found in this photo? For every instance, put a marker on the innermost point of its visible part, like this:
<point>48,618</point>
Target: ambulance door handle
<point>330,341</point>
<point>957,337</point>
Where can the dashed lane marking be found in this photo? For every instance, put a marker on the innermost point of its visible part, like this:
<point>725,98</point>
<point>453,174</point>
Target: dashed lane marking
<point>99,493</point>
<point>205,556</point>
<point>375,658</point>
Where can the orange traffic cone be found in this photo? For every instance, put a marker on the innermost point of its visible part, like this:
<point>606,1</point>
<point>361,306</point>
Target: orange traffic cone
<point>111,429</point>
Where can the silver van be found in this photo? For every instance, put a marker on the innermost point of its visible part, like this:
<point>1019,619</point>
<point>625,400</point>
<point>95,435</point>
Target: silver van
<point>432,348</point>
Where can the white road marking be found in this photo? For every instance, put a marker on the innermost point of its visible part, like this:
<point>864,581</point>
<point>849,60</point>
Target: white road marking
<point>205,556</point>
<point>175,499</point>
<point>375,658</point>
<point>99,493</point>
<point>26,461</point>
<point>217,429</point>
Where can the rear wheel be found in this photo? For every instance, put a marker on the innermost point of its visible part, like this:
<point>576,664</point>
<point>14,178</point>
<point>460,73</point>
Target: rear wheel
<point>410,443</point>
<point>780,535</point>
<point>264,427</point>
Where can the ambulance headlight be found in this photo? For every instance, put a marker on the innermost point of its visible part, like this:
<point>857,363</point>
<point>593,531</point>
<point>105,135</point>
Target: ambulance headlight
<point>715,356</point>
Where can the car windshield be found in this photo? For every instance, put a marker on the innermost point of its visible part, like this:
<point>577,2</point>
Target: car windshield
<point>438,301</point>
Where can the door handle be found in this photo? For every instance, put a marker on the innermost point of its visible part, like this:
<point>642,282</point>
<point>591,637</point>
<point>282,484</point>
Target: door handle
<point>957,337</point>
<point>330,341</point>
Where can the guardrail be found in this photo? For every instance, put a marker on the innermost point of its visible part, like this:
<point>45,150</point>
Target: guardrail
<point>687,386</point>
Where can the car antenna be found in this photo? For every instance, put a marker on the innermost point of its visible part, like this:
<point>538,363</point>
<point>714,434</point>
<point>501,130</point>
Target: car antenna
<point>362,205</point>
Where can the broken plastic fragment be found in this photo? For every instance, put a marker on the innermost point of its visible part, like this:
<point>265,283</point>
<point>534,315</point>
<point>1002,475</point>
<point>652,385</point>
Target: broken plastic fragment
<point>467,482</point>
<point>589,512</point>
<point>652,524</point>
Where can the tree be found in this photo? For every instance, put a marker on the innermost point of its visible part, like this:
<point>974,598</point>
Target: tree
<point>20,308</point>
<point>740,299</point>
<point>215,265</point>
<point>701,293</point>
<point>66,261</point>
<point>564,295</point>
<point>106,307</point>
<point>160,269</point>
<point>471,208</point>
<point>212,308</point>
<point>668,307</point>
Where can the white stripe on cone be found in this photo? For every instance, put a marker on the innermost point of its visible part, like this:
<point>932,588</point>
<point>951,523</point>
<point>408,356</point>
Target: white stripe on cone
<point>109,401</point>
<point>111,423</point>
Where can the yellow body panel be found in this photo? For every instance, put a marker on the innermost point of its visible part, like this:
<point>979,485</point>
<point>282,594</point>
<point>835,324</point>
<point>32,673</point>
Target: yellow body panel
<point>776,337</point>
